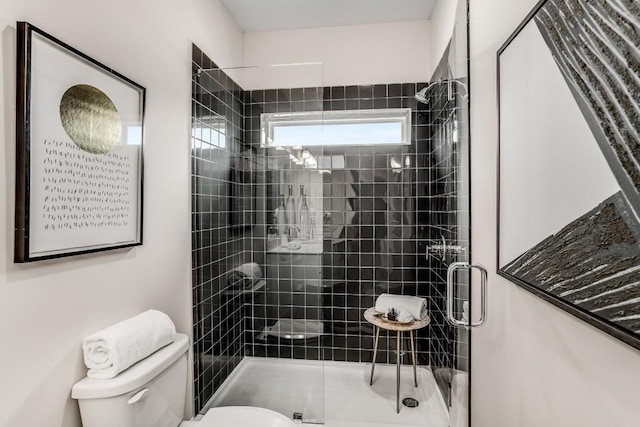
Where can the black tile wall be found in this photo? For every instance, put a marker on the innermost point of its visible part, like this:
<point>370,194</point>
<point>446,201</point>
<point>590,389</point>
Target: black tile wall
<point>443,193</point>
<point>220,224</point>
<point>378,220</point>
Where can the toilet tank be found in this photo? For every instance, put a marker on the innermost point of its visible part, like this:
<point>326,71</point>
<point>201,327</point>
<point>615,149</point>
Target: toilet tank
<point>151,393</point>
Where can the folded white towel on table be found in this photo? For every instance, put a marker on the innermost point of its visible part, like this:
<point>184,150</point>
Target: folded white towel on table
<point>112,350</point>
<point>404,305</point>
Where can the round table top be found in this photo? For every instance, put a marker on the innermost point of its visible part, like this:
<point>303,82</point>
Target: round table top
<point>375,318</point>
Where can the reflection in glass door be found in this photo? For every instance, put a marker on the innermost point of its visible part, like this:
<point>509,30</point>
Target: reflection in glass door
<point>256,244</point>
<point>452,144</point>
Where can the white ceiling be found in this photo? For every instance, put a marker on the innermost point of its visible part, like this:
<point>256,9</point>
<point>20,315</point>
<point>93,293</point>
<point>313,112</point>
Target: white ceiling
<point>275,15</point>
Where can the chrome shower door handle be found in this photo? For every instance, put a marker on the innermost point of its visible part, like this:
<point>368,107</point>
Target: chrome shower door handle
<point>484,277</point>
<point>451,295</point>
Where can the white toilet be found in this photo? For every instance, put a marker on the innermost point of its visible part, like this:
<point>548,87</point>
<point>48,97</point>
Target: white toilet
<point>152,393</point>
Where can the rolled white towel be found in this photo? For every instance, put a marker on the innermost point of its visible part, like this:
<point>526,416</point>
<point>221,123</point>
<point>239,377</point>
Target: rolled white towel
<point>112,350</point>
<point>403,304</point>
<point>250,270</point>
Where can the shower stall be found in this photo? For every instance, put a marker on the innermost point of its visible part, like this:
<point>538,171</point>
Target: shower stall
<point>309,201</point>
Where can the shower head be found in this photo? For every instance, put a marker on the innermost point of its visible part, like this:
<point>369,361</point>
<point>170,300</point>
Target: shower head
<point>421,95</point>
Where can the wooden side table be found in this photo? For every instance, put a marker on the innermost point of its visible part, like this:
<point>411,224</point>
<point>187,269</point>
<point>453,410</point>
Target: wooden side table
<point>373,317</point>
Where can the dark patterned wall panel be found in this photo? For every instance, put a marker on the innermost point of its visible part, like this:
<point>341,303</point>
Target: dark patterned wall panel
<point>594,263</point>
<point>596,45</point>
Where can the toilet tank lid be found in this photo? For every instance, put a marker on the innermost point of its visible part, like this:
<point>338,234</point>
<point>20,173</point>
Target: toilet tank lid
<point>134,377</point>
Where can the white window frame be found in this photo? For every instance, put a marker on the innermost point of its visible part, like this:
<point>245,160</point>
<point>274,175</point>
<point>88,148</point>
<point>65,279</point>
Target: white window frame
<point>269,122</point>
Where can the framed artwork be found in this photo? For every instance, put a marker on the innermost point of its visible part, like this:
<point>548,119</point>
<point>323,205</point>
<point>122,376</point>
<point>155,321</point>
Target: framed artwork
<point>569,183</point>
<point>79,133</point>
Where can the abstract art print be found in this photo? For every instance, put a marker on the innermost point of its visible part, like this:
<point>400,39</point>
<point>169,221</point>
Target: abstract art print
<point>569,184</point>
<point>79,128</point>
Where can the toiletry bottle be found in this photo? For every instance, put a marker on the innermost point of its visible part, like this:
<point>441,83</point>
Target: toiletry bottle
<point>290,214</point>
<point>299,205</point>
<point>283,229</point>
<point>305,221</point>
<point>312,228</point>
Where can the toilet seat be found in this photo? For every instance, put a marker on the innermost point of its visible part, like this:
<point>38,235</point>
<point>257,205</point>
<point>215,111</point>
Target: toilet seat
<point>240,416</point>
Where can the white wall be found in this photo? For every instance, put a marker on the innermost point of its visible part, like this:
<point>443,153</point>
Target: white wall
<point>533,364</point>
<point>351,55</point>
<point>441,28</point>
<point>48,307</point>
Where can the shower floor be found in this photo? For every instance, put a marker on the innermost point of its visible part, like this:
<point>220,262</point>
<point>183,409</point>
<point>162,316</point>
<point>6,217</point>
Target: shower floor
<point>339,392</point>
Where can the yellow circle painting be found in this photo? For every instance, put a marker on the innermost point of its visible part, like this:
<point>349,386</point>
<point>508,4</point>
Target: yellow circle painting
<point>90,119</point>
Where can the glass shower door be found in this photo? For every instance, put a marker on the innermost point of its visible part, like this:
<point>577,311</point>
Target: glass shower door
<point>452,254</point>
<point>466,283</point>
<point>256,269</point>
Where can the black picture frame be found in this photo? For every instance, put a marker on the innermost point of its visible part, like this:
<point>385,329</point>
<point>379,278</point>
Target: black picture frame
<point>543,14</point>
<point>92,200</point>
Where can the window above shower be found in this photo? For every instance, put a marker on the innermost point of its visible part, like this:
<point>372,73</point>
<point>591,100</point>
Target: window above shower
<point>336,128</point>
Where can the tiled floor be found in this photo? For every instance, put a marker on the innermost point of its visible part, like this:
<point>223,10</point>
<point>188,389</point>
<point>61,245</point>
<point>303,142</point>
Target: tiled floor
<point>336,393</point>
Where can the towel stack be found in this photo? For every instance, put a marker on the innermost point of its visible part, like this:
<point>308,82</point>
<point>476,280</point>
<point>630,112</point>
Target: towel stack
<point>114,349</point>
<point>245,275</point>
<point>407,308</point>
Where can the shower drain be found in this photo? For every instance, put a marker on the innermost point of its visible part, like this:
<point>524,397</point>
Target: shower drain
<point>410,402</point>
